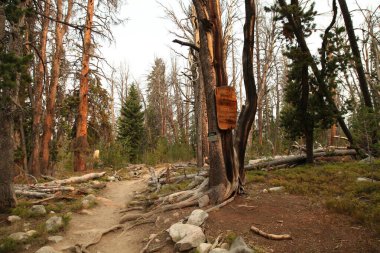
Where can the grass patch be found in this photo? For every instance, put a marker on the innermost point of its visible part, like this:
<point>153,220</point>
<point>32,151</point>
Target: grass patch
<point>335,184</point>
<point>171,188</point>
<point>8,245</point>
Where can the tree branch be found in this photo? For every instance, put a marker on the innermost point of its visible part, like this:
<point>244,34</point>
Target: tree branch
<point>183,43</point>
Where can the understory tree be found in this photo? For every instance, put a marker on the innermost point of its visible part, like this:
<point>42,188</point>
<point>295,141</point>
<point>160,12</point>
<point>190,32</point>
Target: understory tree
<point>131,124</point>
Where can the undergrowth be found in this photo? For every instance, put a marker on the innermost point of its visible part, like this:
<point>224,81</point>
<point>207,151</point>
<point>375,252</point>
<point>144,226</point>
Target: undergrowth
<point>334,184</point>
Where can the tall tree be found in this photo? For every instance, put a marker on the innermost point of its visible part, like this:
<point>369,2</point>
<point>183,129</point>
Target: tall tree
<point>81,143</point>
<point>48,124</point>
<point>226,154</point>
<point>13,72</point>
<point>131,124</point>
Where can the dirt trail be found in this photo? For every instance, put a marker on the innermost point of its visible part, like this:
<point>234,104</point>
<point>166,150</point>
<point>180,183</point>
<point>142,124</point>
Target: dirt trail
<point>84,228</point>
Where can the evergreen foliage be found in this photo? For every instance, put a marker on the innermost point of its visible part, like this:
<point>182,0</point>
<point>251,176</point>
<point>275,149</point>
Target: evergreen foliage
<point>131,125</point>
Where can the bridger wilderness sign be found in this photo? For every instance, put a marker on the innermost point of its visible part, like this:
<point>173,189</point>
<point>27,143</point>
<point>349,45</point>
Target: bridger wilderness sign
<point>226,107</point>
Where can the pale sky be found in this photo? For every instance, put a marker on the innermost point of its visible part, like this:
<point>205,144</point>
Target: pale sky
<point>145,35</point>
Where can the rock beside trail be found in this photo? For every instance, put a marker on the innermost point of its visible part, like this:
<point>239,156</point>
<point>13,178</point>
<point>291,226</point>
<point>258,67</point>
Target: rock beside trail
<point>186,236</point>
<point>38,210</point>
<point>55,238</point>
<point>13,218</point>
<point>47,249</point>
<point>54,224</point>
<point>88,201</point>
<point>19,236</point>
<point>197,217</point>
<point>204,247</point>
<point>239,246</point>
<point>219,250</point>
<point>31,233</point>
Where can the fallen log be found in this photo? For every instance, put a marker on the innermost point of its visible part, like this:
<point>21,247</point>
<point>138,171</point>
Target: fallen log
<point>32,194</point>
<point>74,180</point>
<point>296,159</point>
<point>176,178</point>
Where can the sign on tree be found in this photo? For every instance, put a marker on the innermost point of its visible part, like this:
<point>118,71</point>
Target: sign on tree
<point>226,107</point>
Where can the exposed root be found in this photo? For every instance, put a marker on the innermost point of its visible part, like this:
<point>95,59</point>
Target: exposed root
<point>221,204</point>
<point>145,249</point>
<point>104,232</point>
<point>129,209</point>
<point>271,236</point>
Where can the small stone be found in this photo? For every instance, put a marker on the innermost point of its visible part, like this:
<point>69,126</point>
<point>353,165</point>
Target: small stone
<point>31,233</point>
<point>239,246</point>
<point>38,210</point>
<point>55,238</point>
<point>152,236</point>
<point>13,218</point>
<point>54,224</point>
<point>176,214</point>
<point>225,246</point>
<point>157,240</point>
<point>47,249</point>
<point>52,212</point>
<point>276,189</point>
<point>219,250</point>
<point>85,211</point>
<point>203,201</point>
<point>197,217</point>
<point>167,220</point>
<point>204,247</point>
<point>27,246</point>
<point>19,236</point>
<point>98,185</point>
<point>111,178</point>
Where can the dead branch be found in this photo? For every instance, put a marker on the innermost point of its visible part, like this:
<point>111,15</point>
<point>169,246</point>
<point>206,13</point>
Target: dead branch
<point>33,194</point>
<point>271,236</point>
<point>74,180</point>
<point>184,43</point>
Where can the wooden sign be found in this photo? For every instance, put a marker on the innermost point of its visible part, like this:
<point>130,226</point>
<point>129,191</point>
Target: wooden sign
<point>226,107</point>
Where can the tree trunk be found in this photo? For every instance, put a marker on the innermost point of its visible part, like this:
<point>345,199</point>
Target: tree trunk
<point>356,53</point>
<point>60,30</point>
<point>38,89</point>
<point>81,144</point>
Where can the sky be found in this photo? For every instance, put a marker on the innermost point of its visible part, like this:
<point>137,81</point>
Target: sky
<point>146,33</point>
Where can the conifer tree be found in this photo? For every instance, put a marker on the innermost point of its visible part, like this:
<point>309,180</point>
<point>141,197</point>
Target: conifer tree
<point>131,124</point>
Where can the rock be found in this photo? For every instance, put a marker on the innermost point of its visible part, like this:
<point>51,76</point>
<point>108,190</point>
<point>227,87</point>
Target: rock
<point>19,236</point>
<point>175,215</point>
<point>31,233</point>
<point>52,212</point>
<point>55,238</point>
<point>239,246</point>
<point>204,247</point>
<point>203,201</point>
<point>88,201</point>
<point>186,236</point>
<point>167,220</point>
<point>98,185</point>
<point>54,224</point>
<point>47,249</point>
<point>265,191</point>
<point>38,210</point>
<point>219,250</point>
<point>197,217</point>
<point>157,240</point>
<point>85,211</point>
<point>111,178</point>
<point>276,189</point>
<point>225,246</point>
<point>13,218</point>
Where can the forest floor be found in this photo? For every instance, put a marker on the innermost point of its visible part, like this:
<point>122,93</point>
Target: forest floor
<point>301,210</point>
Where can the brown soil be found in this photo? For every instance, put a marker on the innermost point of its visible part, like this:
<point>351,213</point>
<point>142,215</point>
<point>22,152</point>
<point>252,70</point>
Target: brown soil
<point>313,227</point>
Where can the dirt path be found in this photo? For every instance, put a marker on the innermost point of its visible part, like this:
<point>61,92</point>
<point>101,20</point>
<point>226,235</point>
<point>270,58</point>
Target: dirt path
<point>84,228</point>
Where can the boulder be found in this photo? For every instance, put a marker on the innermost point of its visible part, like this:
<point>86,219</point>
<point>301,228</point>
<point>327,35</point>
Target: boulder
<point>186,236</point>
<point>197,217</point>
<point>13,218</point>
<point>47,249</point>
<point>219,250</point>
<point>19,236</point>
<point>54,224</point>
<point>204,247</point>
<point>239,246</point>
<point>38,210</point>
<point>55,238</point>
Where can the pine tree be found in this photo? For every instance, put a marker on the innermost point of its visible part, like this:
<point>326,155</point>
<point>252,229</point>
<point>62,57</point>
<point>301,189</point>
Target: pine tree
<point>131,124</point>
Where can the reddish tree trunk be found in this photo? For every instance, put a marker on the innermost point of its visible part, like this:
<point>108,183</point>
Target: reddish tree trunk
<point>34,168</point>
<point>60,30</point>
<point>81,144</point>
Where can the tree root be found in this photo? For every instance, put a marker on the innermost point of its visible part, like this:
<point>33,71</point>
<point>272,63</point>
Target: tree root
<point>271,236</point>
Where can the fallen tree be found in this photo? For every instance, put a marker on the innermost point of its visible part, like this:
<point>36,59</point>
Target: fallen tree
<point>295,159</point>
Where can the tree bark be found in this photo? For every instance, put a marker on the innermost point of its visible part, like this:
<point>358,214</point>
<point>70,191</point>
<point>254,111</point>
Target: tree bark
<point>81,144</point>
<point>60,30</point>
<point>34,167</point>
<point>356,53</point>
